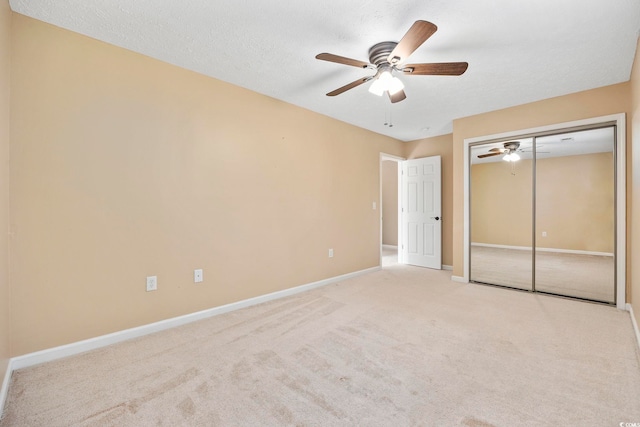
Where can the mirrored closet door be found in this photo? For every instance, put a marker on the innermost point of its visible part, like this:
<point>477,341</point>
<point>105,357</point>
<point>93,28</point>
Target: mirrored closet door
<point>543,213</point>
<point>575,214</point>
<point>501,194</point>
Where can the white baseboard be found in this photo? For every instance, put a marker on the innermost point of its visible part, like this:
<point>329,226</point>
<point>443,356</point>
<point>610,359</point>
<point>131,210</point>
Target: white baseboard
<point>634,323</point>
<point>459,279</point>
<point>55,353</point>
<point>528,248</point>
<point>4,391</point>
<point>390,247</point>
<point>447,267</point>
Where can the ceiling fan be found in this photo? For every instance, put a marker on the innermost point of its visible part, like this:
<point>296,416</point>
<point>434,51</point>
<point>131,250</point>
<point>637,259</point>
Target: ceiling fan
<point>389,57</point>
<point>509,150</point>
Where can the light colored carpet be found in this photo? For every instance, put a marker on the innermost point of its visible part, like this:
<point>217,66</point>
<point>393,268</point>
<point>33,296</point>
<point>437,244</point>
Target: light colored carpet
<point>574,275</point>
<point>402,346</point>
<point>389,255</point>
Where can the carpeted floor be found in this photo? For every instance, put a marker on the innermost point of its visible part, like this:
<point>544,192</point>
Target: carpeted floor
<point>402,346</point>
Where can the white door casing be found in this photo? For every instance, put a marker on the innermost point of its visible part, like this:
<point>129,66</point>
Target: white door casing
<point>422,212</point>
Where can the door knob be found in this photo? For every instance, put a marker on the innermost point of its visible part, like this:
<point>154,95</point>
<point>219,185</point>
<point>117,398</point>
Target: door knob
<point>435,217</point>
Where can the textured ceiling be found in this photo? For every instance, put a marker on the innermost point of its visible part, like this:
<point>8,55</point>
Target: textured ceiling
<point>518,51</point>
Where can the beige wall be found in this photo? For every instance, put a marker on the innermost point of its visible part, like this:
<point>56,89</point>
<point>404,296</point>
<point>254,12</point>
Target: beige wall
<point>124,167</point>
<point>5,67</point>
<point>501,203</point>
<point>574,203</point>
<point>635,190</point>
<point>439,146</point>
<point>390,202</point>
<point>592,103</point>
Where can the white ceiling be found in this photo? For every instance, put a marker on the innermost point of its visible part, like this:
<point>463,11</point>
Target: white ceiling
<point>518,51</point>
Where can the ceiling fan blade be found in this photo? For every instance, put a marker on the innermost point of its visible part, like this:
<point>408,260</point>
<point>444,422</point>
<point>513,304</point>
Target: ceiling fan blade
<point>436,69</point>
<point>349,86</point>
<point>419,32</point>
<point>397,97</point>
<point>342,60</point>
<point>497,149</point>
<point>482,156</point>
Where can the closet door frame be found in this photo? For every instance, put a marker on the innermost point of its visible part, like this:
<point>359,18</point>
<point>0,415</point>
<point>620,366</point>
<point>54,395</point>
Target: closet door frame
<point>619,121</point>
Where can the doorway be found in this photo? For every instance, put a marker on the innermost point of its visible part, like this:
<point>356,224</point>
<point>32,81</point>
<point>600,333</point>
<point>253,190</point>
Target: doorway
<point>548,222</point>
<point>411,211</point>
<point>389,208</point>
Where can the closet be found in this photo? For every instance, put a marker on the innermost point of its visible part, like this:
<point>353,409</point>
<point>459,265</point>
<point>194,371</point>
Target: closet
<point>542,213</point>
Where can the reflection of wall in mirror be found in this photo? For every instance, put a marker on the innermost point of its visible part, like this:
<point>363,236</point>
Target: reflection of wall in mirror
<point>574,203</point>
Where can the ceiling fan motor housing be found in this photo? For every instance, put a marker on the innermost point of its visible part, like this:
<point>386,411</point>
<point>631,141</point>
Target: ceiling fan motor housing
<point>511,146</point>
<point>379,52</point>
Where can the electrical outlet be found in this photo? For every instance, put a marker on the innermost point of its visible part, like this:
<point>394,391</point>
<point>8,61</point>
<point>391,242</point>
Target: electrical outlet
<point>197,275</point>
<point>152,283</point>
<point>330,253</point>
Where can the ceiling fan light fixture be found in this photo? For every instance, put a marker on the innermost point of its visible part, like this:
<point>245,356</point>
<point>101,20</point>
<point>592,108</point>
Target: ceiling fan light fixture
<point>386,82</point>
<point>395,85</point>
<point>382,83</point>
<point>377,87</point>
<point>511,157</point>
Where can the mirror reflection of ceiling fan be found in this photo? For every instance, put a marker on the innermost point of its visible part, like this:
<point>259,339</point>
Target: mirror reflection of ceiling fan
<point>510,150</point>
<point>389,57</point>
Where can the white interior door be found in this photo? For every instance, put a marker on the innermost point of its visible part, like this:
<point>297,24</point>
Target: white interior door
<point>422,212</point>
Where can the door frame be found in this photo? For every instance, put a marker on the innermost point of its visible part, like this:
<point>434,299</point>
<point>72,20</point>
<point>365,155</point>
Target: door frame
<point>398,160</point>
<point>621,193</point>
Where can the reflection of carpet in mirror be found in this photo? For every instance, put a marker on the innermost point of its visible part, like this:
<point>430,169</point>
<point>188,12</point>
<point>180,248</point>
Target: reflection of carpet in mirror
<point>576,275</point>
